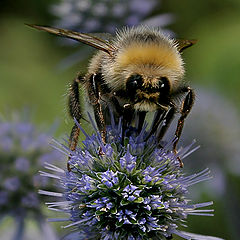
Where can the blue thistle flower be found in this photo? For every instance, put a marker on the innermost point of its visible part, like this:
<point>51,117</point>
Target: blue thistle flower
<point>135,190</point>
<point>23,151</point>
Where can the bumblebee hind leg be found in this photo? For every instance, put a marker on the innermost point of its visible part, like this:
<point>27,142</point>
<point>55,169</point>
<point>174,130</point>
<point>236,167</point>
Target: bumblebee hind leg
<point>75,112</point>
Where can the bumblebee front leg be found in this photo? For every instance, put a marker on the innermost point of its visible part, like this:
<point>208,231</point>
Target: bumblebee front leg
<point>75,112</point>
<point>128,113</point>
<point>140,120</point>
<point>158,118</point>
<point>167,121</point>
<point>185,110</point>
<point>94,97</point>
<point>163,118</point>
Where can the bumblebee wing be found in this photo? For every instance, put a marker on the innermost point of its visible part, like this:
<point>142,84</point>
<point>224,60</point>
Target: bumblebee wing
<point>182,44</point>
<point>103,36</point>
<point>88,39</point>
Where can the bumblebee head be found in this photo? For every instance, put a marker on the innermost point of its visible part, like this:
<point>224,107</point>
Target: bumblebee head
<point>147,73</point>
<point>147,66</point>
<point>147,93</point>
<point>151,61</point>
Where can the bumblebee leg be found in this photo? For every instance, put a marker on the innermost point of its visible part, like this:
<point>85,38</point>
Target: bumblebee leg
<point>156,121</point>
<point>117,110</point>
<point>128,113</point>
<point>75,112</point>
<point>140,120</point>
<point>185,110</point>
<point>94,97</point>
<point>167,121</point>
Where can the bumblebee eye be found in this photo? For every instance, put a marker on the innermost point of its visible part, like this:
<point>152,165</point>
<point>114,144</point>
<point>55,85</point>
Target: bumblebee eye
<point>164,84</point>
<point>134,82</point>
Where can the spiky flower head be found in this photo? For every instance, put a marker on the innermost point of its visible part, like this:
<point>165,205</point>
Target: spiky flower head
<point>106,16</point>
<point>132,190</point>
<point>23,151</point>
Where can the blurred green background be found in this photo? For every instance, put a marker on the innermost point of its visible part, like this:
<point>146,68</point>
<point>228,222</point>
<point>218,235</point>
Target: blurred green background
<point>30,77</point>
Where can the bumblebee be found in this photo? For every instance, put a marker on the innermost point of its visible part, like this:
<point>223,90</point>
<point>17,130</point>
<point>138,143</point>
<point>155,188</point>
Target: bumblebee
<point>137,71</point>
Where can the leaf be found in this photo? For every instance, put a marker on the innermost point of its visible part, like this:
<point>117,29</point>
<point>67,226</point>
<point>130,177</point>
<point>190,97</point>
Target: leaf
<point>114,210</point>
<point>124,202</point>
<point>119,224</point>
<point>161,207</point>
<point>149,213</point>
<point>133,221</point>
<point>139,200</point>
<point>101,186</point>
<point>98,213</point>
<point>126,141</point>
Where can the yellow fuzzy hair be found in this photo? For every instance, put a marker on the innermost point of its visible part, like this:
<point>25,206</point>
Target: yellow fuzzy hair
<point>159,55</point>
